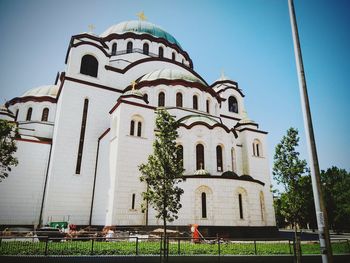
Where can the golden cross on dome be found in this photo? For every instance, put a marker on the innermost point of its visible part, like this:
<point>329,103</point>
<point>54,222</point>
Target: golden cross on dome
<point>91,28</point>
<point>141,16</point>
<point>133,83</point>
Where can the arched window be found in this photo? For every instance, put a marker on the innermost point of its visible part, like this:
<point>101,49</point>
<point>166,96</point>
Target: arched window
<point>132,127</point>
<point>240,206</point>
<point>173,56</point>
<point>161,52</point>
<point>180,153</point>
<point>145,48</point>
<point>204,205</point>
<point>133,201</point>
<point>89,66</point>
<point>219,158</point>
<point>161,99</point>
<point>16,115</point>
<point>129,47</point>
<point>208,106</point>
<point>257,149</point>
<point>233,160</point>
<point>114,49</point>
<point>139,129</point>
<point>232,104</point>
<point>45,114</point>
<point>145,97</point>
<point>179,99</point>
<point>199,156</point>
<point>195,102</point>
<point>29,114</point>
<point>262,206</point>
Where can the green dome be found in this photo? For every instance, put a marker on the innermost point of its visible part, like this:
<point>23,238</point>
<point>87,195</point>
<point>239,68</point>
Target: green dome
<point>140,27</point>
<point>171,74</point>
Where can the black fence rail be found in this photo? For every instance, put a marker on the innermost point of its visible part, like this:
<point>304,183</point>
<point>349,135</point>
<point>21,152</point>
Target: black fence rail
<point>134,246</point>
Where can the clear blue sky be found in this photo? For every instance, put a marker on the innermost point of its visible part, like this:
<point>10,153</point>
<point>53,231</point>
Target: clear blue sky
<point>250,39</point>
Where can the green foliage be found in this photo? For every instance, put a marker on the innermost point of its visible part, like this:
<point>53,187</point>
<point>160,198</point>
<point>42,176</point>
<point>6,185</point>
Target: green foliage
<point>336,190</point>
<point>289,170</point>
<point>8,133</point>
<point>163,171</point>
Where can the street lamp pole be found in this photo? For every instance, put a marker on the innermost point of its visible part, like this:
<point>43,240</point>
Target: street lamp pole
<point>321,214</point>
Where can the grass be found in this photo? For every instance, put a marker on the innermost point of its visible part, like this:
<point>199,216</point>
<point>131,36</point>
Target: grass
<point>153,248</point>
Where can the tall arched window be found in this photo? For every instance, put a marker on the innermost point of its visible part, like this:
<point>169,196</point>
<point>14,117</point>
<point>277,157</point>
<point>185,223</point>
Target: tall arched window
<point>233,160</point>
<point>219,158</point>
<point>204,205</point>
<point>129,47</point>
<point>145,48</point>
<point>240,206</point>
<point>114,49</point>
<point>199,156</point>
<point>139,129</point>
<point>89,66</point>
<point>45,114</point>
<point>133,201</point>
<point>179,99</point>
<point>161,52</point>
<point>208,106</point>
<point>257,149</point>
<point>173,56</point>
<point>195,102</point>
<point>16,115</point>
<point>262,205</point>
<point>232,104</point>
<point>161,99</point>
<point>180,153</point>
<point>29,114</point>
<point>132,127</point>
<point>145,97</point>
<point>82,136</point>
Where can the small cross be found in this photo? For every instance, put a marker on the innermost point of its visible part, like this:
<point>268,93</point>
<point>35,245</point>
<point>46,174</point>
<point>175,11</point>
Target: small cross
<point>91,28</point>
<point>141,16</point>
<point>133,83</point>
<point>222,74</point>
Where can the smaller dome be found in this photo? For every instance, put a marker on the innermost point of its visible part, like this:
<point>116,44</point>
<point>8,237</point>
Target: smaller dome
<point>201,172</point>
<point>49,90</point>
<point>5,110</point>
<point>134,92</point>
<point>171,74</point>
<point>245,119</point>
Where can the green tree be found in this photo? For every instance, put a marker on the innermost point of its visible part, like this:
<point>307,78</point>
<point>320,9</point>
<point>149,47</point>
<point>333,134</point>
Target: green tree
<point>163,172</point>
<point>336,189</point>
<point>8,133</point>
<point>288,170</point>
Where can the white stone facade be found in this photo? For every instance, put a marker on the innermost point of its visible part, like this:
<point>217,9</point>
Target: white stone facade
<point>78,161</point>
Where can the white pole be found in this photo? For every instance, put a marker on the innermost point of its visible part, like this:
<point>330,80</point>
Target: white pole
<point>321,215</point>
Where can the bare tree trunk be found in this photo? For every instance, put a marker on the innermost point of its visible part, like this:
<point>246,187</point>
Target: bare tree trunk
<point>297,244</point>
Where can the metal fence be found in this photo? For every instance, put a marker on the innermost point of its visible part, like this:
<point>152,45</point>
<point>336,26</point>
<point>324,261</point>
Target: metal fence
<point>133,246</point>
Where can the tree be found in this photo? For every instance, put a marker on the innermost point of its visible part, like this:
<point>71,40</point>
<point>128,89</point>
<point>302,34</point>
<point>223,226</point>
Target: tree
<point>336,189</point>
<point>288,170</point>
<point>8,133</point>
<point>163,172</point>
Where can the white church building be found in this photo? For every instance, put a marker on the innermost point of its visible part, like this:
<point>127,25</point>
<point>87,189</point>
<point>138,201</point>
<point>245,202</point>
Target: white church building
<point>83,138</point>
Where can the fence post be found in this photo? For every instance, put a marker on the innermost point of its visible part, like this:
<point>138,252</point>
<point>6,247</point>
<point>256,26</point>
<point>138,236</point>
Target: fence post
<point>219,246</point>
<point>255,247</point>
<point>178,246</point>
<point>47,241</point>
<point>347,241</point>
<point>290,250</point>
<point>137,246</point>
<point>92,246</point>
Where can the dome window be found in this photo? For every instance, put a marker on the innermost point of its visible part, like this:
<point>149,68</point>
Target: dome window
<point>208,106</point>
<point>161,99</point>
<point>29,114</point>
<point>179,99</point>
<point>89,66</point>
<point>16,116</point>
<point>129,47</point>
<point>173,56</point>
<point>45,114</point>
<point>195,102</point>
<point>219,158</point>
<point>199,157</point>
<point>146,49</point>
<point>232,104</point>
<point>161,52</point>
<point>114,49</point>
